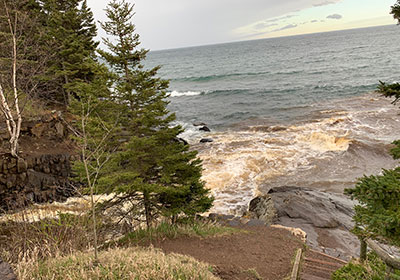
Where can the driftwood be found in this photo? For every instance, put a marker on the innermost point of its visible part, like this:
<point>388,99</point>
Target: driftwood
<point>386,257</point>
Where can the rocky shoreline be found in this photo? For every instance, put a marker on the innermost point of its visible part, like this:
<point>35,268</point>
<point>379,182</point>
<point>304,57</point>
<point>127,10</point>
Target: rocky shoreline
<point>324,219</point>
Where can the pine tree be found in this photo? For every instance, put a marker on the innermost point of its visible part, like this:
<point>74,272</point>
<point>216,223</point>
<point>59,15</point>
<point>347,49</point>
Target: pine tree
<point>70,32</point>
<point>153,169</point>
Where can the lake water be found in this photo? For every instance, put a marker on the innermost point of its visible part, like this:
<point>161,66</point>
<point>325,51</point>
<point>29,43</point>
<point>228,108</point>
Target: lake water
<point>287,111</point>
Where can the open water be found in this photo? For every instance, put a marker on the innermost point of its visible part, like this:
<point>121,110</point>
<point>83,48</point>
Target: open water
<point>287,111</point>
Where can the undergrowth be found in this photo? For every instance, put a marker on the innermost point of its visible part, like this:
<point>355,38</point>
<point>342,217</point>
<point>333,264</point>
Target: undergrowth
<point>373,269</point>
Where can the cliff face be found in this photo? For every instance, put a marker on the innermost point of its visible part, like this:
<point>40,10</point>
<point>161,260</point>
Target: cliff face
<point>42,172</point>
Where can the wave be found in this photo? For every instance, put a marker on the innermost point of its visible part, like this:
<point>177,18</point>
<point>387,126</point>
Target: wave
<point>218,77</point>
<point>187,93</point>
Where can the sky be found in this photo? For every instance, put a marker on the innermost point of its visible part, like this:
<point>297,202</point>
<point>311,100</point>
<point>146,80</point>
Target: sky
<point>167,24</point>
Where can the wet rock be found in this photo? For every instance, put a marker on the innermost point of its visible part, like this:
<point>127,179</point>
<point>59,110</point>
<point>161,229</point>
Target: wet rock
<point>204,128</point>
<point>6,272</point>
<point>206,140</point>
<point>262,208</point>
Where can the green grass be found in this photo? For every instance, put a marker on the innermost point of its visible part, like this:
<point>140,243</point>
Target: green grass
<point>168,231</point>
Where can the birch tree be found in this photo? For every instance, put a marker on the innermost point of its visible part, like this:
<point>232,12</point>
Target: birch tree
<point>10,101</point>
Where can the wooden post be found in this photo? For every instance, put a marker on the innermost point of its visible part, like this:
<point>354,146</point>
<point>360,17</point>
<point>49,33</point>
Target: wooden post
<point>363,250</point>
<point>296,266</point>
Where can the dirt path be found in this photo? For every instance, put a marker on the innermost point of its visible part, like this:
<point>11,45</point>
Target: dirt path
<point>261,253</point>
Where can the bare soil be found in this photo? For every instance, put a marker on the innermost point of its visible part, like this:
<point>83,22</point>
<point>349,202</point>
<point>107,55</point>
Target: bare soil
<point>259,253</point>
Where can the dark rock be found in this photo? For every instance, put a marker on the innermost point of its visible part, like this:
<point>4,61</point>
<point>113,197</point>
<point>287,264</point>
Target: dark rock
<point>234,223</point>
<point>199,124</point>
<point>263,208</point>
<point>255,222</point>
<point>6,272</point>
<point>180,140</point>
<point>206,140</point>
<point>204,128</point>
<point>22,165</point>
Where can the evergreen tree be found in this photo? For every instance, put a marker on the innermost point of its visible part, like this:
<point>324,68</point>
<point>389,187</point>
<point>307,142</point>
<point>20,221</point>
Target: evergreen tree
<point>378,214</point>
<point>152,168</point>
<point>70,33</point>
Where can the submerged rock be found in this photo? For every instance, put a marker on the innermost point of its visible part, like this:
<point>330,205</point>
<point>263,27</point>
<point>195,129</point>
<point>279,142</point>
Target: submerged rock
<point>6,272</point>
<point>206,140</point>
<point>204,128</point>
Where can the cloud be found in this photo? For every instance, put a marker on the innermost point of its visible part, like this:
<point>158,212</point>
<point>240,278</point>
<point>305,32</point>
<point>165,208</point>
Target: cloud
<point>315,20</point>
<point>263,25</point>
<point>280,18</point>
<point>289,26</point>
<point>335,16</point>
<point>324,3</point>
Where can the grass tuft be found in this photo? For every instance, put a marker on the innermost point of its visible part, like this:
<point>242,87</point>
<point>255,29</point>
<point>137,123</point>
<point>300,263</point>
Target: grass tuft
<point>118,264</point>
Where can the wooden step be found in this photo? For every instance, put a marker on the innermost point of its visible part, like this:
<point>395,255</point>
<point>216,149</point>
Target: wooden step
<point>338,265</point>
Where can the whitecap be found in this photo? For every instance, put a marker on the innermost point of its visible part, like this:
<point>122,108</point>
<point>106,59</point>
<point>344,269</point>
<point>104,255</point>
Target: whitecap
<point>187,93</point>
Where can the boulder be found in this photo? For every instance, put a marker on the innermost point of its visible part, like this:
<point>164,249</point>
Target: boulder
<point>6,272</point>
<point>204,128</point>
<point>262,208</point>
<point>325,217</point>
<point>206,140</point>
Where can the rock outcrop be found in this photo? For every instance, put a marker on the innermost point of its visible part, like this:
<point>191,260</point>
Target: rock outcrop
<point>6,272</point>
<point>43,178</point>
<point>326,217</point>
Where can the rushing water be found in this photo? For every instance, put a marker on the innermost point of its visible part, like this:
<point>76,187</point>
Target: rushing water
<point>287,111</point>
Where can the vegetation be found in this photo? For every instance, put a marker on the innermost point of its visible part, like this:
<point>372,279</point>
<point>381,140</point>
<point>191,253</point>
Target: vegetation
<point>152,173</point>
<point>372,269</point>
<point>122,129</point>
<point>118,264</point>
<point>378,214</point>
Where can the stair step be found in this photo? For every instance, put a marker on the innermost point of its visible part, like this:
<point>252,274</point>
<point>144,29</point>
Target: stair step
<point>328,256</point>
<point>320,268</point>
<point>338,265</point>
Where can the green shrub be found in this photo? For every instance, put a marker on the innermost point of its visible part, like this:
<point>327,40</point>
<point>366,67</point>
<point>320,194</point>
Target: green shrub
<point>373,269</point>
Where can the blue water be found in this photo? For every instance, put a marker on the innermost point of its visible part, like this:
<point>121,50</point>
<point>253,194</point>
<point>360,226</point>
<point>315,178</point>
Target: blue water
<point>279,79</point>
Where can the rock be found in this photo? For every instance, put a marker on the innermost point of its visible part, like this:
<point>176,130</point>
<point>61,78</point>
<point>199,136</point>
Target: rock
<point>298,232</point>
<point>38,129</point>
<point>206,140</point>
<point>325,217</point>
<point>199,124</point>
<point>262,208</point>
<point>181,140</point>
<point>204,128</point>
<point>6,272</point>
<point>60,129</point>
<point>323,210</point>
<point>22,165</point>
<point>255,222</point>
